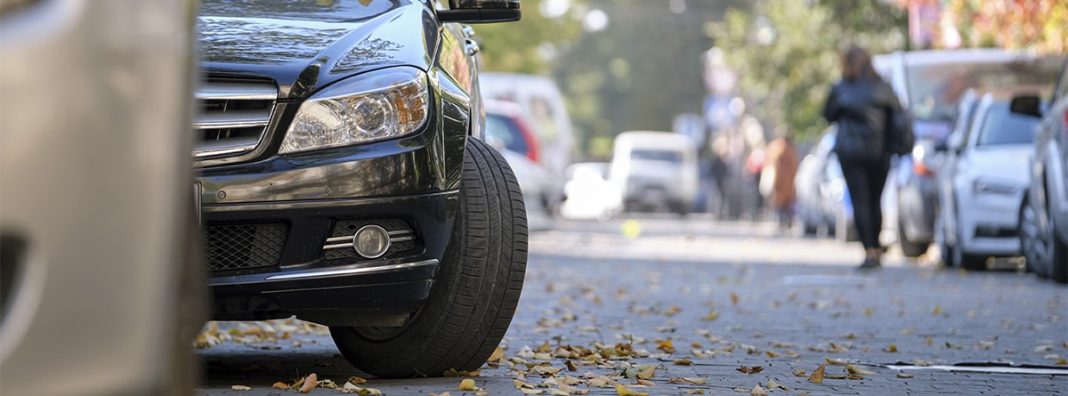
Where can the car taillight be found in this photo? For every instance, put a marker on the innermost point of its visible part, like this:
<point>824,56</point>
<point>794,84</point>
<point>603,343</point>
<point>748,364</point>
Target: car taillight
<point>533,149</point>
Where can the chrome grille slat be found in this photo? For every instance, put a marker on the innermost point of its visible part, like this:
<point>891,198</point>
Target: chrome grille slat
<point>236,91</point>
<point>232,117</point>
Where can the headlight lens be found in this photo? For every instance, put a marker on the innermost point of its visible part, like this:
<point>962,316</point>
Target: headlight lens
<point>380,105</point>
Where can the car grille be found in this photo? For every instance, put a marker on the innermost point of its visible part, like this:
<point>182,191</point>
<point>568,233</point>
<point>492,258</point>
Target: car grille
<point>232,117</point>
<point>244,246</point>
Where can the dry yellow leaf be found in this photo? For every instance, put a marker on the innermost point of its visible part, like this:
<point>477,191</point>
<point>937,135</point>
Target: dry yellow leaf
<point>817,376</point>
<point>497,356</point>
<point>734,298</point>
<point>625,391</point>
<point>310,382</point>
<point>892,348</point>
<point>666,345</point>
<point>758,391</point>
<point>467,384</point>
<point>712,315</point>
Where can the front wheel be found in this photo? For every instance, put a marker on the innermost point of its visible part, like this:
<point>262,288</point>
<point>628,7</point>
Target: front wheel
<point>477,287</point>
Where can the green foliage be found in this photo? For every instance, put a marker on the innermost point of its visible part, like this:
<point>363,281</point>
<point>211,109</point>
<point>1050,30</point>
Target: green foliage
<point>522,46</point>
<point>786,81</point>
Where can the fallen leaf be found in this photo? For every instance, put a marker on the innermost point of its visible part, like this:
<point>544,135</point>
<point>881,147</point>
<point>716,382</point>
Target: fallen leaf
<point>818,374</point>
<point>546,371</point>
<point>904,375</point>
<point>497,356</point>
<point>625,391</point>
<point>666,346</point>
<point>712,315</point>
<point>773,384</point>
<point>835,362</point>
<point>750,370</point>
<point>682,362</point>
<point>357,380</point>
<point>309,383</point>
<point>351,388</point>
<point>687,381</point>
<point>858,370</point>
<point>241,388</point>
<point>758,391</point>
<point>734,298</point>
<point>467,384</point>
<point>800,373</point>
<point>892,348</point>
<point>937,310</point>
<point>570,365</point>
<point>280,385</point>
<point>646,372</point>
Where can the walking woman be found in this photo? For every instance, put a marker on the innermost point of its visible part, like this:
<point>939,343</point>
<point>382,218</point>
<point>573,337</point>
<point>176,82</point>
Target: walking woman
<point>870,128</point>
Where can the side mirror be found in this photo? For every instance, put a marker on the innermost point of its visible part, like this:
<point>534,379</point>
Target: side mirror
<point>481,11</point>
<point>955,142</point>
<point>1030,105</point>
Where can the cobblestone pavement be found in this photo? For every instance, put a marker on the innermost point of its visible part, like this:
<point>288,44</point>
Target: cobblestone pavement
<point>729,297</point>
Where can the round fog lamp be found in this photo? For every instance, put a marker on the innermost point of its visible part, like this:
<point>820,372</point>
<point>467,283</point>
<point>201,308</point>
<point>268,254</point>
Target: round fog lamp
<point>371,241</point>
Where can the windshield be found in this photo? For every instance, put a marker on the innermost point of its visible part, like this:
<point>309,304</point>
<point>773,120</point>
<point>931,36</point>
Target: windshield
<point>935,89</point>
<point>656,155</point>
<point>1002,126</point>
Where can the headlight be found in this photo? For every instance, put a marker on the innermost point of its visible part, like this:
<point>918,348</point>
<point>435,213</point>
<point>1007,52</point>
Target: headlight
<point>986,186</point>
<point>375,106</point>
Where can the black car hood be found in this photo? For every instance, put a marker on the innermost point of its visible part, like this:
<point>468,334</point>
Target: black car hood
<point>304,46</point>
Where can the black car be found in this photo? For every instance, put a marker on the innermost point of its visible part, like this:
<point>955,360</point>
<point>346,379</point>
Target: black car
<point>343,179</point>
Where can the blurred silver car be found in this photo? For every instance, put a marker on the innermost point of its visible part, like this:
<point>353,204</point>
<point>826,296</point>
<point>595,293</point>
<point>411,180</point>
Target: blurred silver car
<point>930,84</point>
<point>101,292</point>
<point>1044,213</point>
<point>987,177</point>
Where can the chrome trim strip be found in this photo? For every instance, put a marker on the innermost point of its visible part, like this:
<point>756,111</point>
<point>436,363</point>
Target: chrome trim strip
<point>339,239</point>
<point>401,239</point>
<point>232,119</point>
<point>353,271</point>
<point>399,232</point>
<point>236,91</point>
<point>338,246</point>
<point>223,147</point>
<point>319,203</point>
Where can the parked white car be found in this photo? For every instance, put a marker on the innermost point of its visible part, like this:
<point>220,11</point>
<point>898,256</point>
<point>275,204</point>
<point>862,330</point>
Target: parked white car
<point>656,170</point>
<point>589,193</point>
<point>989,177</point>
<point>541,104</point>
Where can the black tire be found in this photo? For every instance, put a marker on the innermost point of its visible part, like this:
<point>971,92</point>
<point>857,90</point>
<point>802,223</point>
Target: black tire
<point>477,287</point>
<point>1030,240</point>
<point>910,249</point>
<point>1058,254</point>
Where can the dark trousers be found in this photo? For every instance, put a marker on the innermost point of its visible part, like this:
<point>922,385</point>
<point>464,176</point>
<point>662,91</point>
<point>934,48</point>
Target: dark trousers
<point>865,180</point>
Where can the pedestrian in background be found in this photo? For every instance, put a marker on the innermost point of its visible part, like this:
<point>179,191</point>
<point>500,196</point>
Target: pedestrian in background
<point>871,127</point>
<point>780,168</point>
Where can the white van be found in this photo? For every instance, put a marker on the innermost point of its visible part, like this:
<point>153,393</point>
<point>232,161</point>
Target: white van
<point>543,106</point>
<point>655,170</point>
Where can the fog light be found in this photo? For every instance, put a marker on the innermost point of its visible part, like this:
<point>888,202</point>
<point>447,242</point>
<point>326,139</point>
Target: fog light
<point>371,241</point>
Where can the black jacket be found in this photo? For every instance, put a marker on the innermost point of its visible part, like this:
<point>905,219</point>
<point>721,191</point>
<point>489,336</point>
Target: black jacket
<point>862,109</point>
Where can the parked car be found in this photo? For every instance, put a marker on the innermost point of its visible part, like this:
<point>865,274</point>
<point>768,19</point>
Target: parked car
<point>655,170</point>
<point>1044,213</point>
<point>101,286</point>
<point>509,133</point>
<point>946,220</point>
<point>823,202</point>
<point>930,84</point>
<point>589,195</point>
<point>989,176</point>
<point>345,180</point>
<point>542,104</point>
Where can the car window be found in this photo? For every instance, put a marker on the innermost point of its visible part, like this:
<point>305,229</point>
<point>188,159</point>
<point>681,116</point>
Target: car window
<point>656,155</point>
<point>1000,126</point>
<point>505,130</point>
<point>968,118</point>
